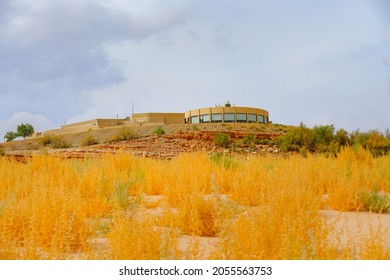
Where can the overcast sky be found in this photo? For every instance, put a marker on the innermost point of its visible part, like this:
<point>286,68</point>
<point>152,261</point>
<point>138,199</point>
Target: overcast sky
<point>316,62</point>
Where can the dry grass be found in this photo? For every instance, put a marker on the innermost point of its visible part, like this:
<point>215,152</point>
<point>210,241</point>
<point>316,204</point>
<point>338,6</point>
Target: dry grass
<point>262,207</point>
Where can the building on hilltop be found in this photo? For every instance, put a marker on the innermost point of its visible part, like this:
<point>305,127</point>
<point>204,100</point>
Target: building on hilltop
<point>217,114</point>
<point>227,114</point>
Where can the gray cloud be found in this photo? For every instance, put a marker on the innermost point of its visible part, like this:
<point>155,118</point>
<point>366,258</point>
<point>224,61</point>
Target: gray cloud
<point>307,61</point>
<point>64,40</point>
<point>53,52</point>
<point>56,49</point>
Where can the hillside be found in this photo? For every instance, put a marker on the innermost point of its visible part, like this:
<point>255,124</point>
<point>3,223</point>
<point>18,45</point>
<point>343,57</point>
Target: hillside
<point>143,140</point>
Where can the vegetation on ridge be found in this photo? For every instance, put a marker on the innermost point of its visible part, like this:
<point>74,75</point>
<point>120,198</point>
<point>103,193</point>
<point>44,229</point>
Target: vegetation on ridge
<point>325,139</point>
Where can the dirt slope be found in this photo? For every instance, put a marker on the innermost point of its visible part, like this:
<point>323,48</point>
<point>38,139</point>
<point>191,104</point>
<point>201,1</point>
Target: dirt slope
<point>175,140</point>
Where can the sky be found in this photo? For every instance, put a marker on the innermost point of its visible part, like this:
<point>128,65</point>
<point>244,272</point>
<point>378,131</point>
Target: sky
<point>315,62</point>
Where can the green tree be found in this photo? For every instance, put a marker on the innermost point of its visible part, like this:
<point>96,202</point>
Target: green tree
<point>323,137</point>
<point>25,130</point>
<point>342,137</point>
<point>298,138</point>
<point>10,136</point>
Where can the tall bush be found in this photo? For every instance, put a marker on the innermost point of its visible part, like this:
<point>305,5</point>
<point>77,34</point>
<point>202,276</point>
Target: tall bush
<point>222,140</point>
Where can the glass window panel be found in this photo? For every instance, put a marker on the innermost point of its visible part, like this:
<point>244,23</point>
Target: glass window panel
<point>241,117</point>
<point>251,118</point>
<point>228,117</point>
<point>261,118</point>
<point>194,119</point>
<point>216,117</point>
<point>204,118</point>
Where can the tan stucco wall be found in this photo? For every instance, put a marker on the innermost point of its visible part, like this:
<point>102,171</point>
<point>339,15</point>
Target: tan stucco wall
<point>83,126</point>
<point>158,118</point>
<point>90,125</point>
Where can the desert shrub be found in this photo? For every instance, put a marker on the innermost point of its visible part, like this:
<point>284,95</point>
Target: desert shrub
<point>323,137</point>
<point>196,216</point>
<point>375,141</point>
<point>47,139</point>
<point>195,127</point>
<point>121,197</point>
<point>222,140</point>
<point>375,201</point>
<point>224,160</point>
<point>125,134</point>
<point>297,138</point>
<point>342,137</point>
<point>132,239</point>
<point>263,208</point>
<point>54,141</point>
<point>264,141</point>
<point>249,139</point>
<point>159,131</point>
<point>60,143</point>
<point>89,140</point>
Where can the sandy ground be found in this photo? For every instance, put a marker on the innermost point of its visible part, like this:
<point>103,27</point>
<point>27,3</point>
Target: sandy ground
<point>352,228</point>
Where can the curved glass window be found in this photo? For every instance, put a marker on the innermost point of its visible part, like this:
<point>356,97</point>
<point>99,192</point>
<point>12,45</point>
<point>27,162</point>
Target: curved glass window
<point>241,117</point>
<point>216,117</point>
<point>194,119</point>
<point>261,118</point>
<point>228,117</point>
<point>266,119</point>
<point>205,118</point>
<point>251,118</point>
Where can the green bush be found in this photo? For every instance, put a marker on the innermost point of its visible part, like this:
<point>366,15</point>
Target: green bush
<point>342,137</point>
<point>222,140</point>
<point>89,140</point>
<point>375,201</point>
<point>195,127</point>
<point>297,138</point>
<point>159,131</point>
<point>324,139</point>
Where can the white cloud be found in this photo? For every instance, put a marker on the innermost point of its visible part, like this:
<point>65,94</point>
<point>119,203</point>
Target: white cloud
<point>39,122</point>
